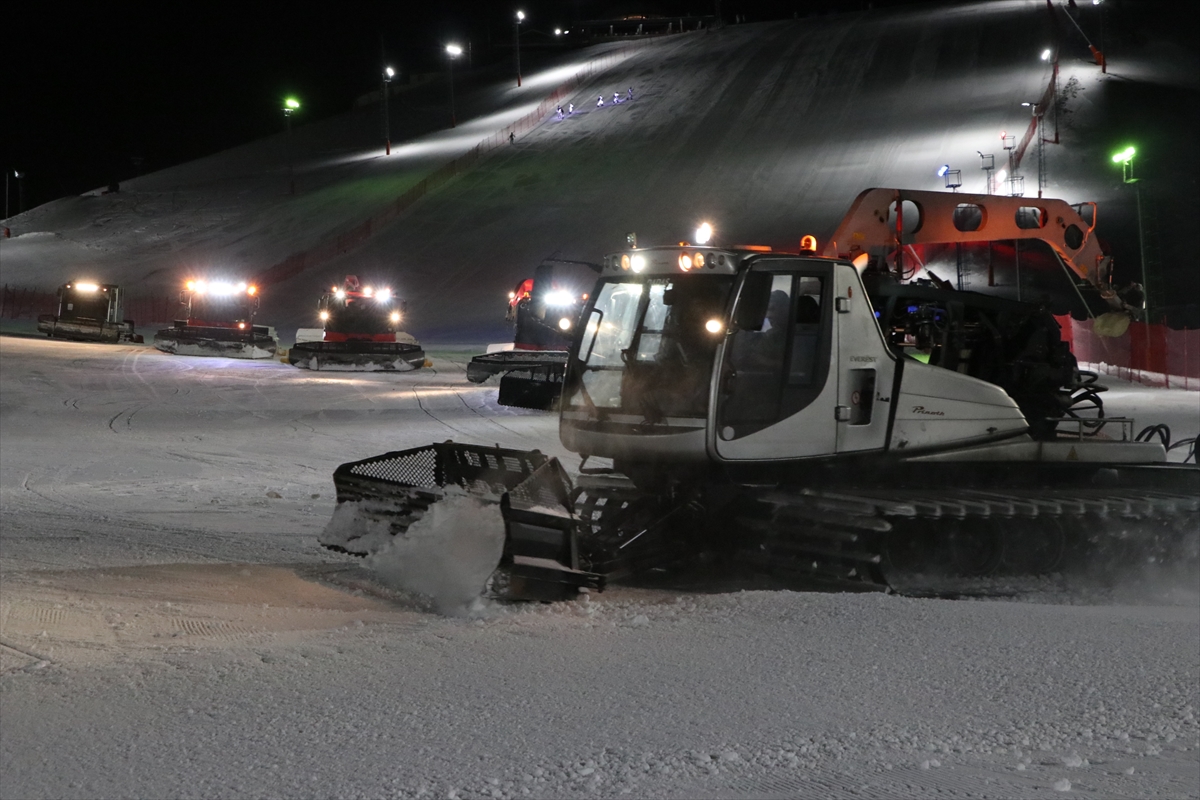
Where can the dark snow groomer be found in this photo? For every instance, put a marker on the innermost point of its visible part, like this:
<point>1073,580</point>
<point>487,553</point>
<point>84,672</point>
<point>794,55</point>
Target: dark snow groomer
<point>218,321</point>
<point>543,310</point>
<point>361,333</point>
<point>89,312</point>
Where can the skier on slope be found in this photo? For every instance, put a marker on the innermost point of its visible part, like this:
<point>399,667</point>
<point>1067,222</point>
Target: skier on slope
<point>600,101</point>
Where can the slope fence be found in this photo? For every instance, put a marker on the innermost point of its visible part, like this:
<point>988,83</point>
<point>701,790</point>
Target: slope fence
<point>1150,354</point>
<point>342,243</point>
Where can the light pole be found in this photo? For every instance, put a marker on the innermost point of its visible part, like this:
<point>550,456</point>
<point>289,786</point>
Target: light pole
<point>517,43</point>
<point>290,105</point>
<point>1125,159</point>
<point>20,176</point>
<point>388,74</point>
<point>453,51</point>
<point>1037,111</point>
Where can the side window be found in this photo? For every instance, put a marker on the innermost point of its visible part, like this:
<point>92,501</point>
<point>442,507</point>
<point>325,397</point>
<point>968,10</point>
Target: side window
<point>756,359</point>
<point>806,332</point>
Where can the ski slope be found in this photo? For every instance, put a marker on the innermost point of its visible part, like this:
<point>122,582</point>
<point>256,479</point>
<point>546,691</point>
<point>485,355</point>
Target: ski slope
<point>767,130</point>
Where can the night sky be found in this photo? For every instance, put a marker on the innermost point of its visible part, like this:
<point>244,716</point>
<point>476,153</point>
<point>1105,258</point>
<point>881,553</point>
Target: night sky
<point>90,87</point>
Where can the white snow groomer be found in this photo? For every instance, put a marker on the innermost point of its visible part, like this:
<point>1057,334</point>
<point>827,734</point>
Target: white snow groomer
<point>218,321</point>
<point>361,332</point>
<point>849,417</point>
<point>89,312</point>
<point>543,310</point>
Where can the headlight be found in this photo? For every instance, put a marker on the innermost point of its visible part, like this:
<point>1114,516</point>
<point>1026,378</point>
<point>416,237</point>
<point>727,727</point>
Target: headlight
<point>559,297</point>
<point>625,262</point>
<point>367,292</point>
<point>565,324</point>
<point>638,262</point>
<point>714,326</point>
<point>86,287</point>
<point>395,316</point>
<point>241,326</point>
<point>324,315</point>
<point>685,262</point>
<point>339,293</point>
<point>383,295</point>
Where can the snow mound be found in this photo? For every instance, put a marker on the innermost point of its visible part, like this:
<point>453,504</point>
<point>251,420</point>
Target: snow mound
<point>447,555</point>
<point>359,527</point>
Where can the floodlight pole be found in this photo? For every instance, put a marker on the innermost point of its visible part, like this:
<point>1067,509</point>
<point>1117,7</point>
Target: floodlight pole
<point>517,43</point>
<point>1125,158</point>
<point>452,51</point>
<point>388,73</point>
<point>290,105</point>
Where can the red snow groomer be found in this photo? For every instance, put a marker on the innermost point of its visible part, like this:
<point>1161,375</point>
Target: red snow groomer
<point>89,312</point>
<point>360,333</point>
<point>218,321</point>
<point>543,310</point>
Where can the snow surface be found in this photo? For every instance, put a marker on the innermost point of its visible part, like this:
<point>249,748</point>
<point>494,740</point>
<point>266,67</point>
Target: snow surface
<point>169,627</point>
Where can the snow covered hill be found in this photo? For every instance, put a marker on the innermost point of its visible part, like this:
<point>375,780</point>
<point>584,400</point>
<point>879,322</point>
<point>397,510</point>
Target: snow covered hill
<point>767,130</point>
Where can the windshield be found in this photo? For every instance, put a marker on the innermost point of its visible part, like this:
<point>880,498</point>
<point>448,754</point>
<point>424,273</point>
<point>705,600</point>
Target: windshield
<point>647,348</point>
<point>359,317</point>
<point>219,308</point>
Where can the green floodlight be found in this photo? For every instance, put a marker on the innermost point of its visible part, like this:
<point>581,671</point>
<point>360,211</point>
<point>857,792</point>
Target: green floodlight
<point>1125,156</point>
<point>292,103</point>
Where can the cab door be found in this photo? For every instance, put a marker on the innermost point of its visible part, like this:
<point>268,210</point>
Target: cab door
<point>865,367</point>
<point>775,389</point>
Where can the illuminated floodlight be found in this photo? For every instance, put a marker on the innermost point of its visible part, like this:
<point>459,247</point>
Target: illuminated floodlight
<point>86,287</point>
<point>224,288</point>
<point>520,16</point>
<point>391,73</point>
<point>383,295</point>
<point>703,233</point>
<point>559,297</point>
<point>558,31</point>
<point>714,326</point>
<point>1125,156</point>
<point>942,170</point>
<point>1046,54</point>
<point>291,104</point>
<point>454,50</point>
<point>638,262</point>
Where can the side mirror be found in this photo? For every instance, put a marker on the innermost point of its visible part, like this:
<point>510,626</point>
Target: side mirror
<point>751,309</point>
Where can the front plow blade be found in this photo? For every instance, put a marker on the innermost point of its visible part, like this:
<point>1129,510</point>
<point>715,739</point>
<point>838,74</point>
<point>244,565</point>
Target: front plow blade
<point>357,356</point>
<point>392,491</point>
<point>541,549</point>
<point>214,342</point>
<point>379,498</point>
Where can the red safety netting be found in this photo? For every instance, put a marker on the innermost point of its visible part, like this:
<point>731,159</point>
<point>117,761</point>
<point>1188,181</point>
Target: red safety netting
<point>1146,353</point>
